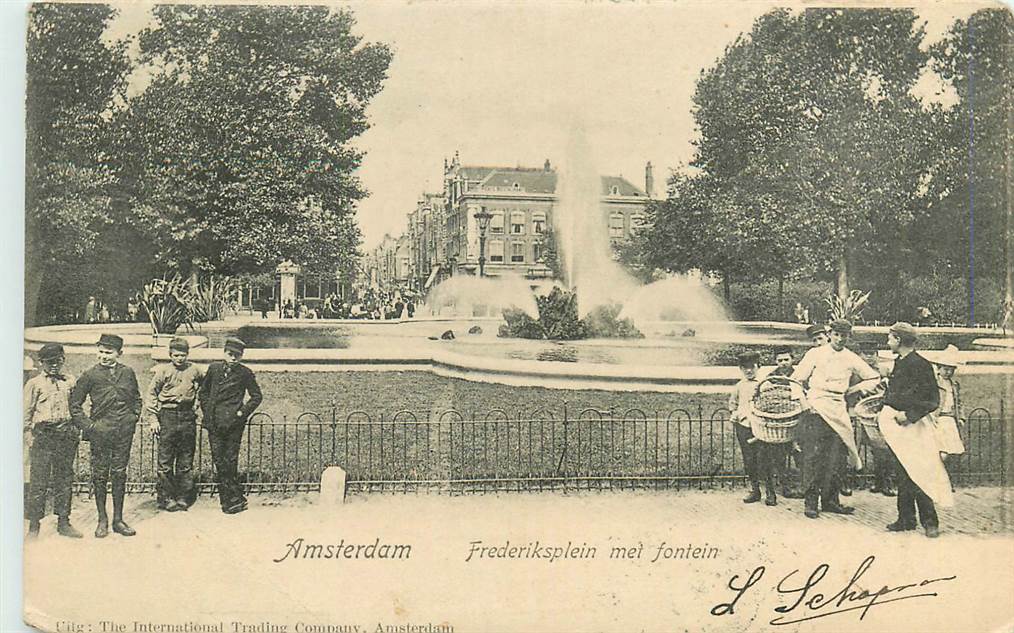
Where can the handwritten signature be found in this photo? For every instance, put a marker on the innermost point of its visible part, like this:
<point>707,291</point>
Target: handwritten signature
<point>804,601</point>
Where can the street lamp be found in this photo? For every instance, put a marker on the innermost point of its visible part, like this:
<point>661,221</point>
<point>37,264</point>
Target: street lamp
<point>482,217</point>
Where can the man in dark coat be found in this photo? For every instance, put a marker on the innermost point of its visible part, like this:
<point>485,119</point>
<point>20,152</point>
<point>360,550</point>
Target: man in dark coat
<point>115,408</point>
<point>223,391</point>
<point>912,393</point>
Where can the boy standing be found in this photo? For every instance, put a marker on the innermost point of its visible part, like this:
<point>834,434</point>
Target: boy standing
<point>826,431</point>
<point>739,405</point>
<point>223,390</point>
<point>53,441</point>
<point>171,399</point>
<point>115,409</point>
<point>784,452</point>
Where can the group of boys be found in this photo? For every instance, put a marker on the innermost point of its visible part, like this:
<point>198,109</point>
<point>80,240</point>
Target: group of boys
<point>55,420</point>
<point>829,372</point>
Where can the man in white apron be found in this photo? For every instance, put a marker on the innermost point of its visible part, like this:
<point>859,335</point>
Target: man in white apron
<point>826,431</point>
<point>912,394</point>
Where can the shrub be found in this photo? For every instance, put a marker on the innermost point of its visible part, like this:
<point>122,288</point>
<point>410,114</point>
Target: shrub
<point>210,298</point>
<point>166,303</point>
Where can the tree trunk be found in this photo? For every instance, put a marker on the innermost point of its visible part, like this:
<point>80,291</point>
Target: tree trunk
<point>781,298</point>
<point>1008,287</point>
<point>727,288</point>
<point>33,284</point>
<point>842,285</point>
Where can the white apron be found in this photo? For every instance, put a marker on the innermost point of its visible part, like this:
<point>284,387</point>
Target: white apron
<point>831,407</point>
<point>948,437</point>
<point>915,446</point>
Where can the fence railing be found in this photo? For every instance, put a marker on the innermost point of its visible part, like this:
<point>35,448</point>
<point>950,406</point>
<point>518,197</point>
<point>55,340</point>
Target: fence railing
<point>497,450</point>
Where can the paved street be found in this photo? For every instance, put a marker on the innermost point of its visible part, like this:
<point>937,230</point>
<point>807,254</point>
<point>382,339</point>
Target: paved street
<point>643,574</point>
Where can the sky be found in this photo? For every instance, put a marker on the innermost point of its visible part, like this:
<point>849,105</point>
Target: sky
<point>509,83</point>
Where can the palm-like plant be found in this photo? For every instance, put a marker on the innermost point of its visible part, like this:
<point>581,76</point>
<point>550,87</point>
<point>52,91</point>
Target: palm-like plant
<point>211,298</point>
<point>849,308</point>
<point>166,302</point>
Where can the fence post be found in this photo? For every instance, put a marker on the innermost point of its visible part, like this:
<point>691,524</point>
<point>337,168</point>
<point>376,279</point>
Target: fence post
<point>1003,443</point>
<point>334,434</point>
<point>563,453</point>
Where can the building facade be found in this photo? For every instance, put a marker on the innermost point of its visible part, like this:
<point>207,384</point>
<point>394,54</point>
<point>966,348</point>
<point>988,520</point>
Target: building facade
<point>442,236</point>
<point>521,201</point>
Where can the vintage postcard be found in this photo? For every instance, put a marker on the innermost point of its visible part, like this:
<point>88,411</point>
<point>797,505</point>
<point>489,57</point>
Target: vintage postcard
<point>433,317</point>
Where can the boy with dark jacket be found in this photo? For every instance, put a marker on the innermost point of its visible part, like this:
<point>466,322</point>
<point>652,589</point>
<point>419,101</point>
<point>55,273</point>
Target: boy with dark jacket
<point>223,391</point>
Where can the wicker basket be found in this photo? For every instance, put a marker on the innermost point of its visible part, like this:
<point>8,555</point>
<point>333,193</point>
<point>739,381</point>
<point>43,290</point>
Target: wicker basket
<point>866,411</point>
<point>776,407</point>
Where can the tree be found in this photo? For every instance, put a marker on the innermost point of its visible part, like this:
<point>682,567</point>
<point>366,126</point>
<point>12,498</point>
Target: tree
<point>76,239</point>
<point>240,149</point>
<point>811,146</point>
<point>971,185</point>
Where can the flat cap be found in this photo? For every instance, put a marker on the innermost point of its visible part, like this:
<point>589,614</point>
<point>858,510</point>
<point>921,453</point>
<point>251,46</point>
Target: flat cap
<point>51,351</point>
<point>841,326</point>
<point>111,340</point>
<point>905,331</point>
<point>748,358</point>
<point>234,344</point>
<point>815,329</point>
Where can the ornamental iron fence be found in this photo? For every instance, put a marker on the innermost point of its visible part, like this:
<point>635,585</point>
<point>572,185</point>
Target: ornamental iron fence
<point>499,450</point>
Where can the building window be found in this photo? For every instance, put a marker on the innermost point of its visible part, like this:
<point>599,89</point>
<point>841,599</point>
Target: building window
<point>637,221</point>
<point>615,190</point>
<point>518,223</point>
<point>538,223</point>
<point>518,252</point>
<point>496,223</point>
<point>616,225</point>
<point>537,251</point>
<point>496,251</point>
<point>517,186</point>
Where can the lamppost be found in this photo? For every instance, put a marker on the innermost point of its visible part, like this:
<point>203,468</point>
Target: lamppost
<point>482,217</point>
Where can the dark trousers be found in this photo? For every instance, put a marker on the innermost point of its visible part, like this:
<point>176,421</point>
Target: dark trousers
<point>225,445</point>
<point>773,462</point>
<point>883,467</point>
<point>750,453</point>
<point>52,466</point>
<point>823,452</point>
<point>110,453</point>
<point>910,497</point>
<point>177,440</point>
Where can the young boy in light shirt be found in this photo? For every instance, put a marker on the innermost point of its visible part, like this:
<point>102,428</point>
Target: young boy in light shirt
<point>739,405</point>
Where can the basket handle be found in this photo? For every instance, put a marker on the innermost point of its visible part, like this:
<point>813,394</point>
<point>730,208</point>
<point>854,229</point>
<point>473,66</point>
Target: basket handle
<point>781,380</point>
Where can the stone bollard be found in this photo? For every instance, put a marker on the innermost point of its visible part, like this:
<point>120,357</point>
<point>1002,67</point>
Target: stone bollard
<point>332,486</point>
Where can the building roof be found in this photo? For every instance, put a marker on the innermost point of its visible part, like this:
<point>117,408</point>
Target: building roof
<point>535,180</point>
<point>623,186</point>
<point>528,180</point>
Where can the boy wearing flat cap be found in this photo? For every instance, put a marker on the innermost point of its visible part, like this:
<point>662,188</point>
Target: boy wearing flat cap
<point>225,386</point>
<point>53,441</point>
<point>172,416</point>
<point>115,408</point>
<point>826,433</point>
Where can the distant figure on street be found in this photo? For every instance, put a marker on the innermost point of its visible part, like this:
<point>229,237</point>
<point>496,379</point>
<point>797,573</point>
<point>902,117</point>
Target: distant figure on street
<point>91,311</point>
